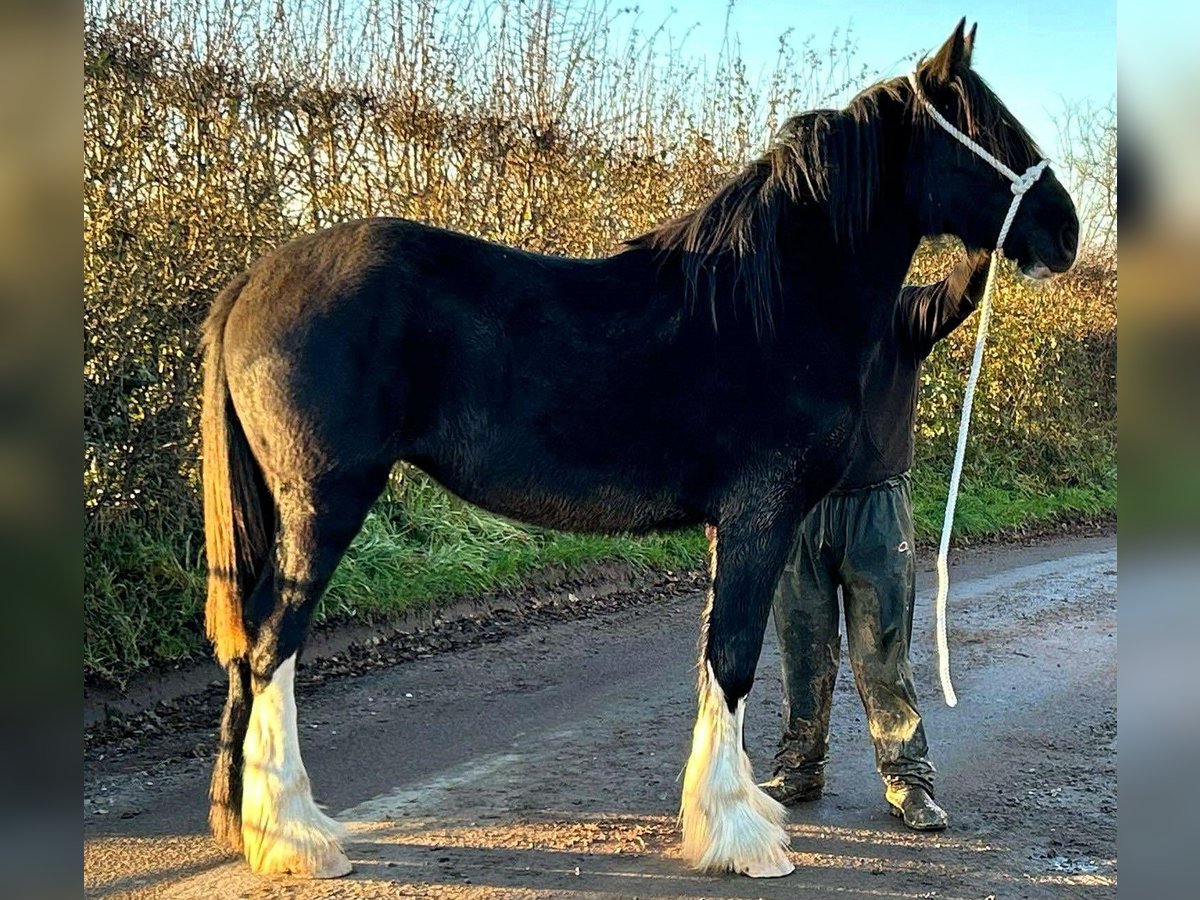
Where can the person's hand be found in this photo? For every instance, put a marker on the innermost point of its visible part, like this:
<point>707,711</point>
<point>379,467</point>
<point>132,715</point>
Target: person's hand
<point>979,258</point>
<point>970,276</point>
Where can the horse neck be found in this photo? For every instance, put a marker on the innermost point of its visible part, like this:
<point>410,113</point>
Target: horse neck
<point>850,288</point>
<point>860,270</point>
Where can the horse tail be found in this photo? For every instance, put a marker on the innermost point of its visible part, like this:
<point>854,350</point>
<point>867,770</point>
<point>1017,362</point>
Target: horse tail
<point>236,534</point>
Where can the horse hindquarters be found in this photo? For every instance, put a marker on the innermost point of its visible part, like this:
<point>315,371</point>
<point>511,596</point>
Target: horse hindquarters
<point>275,533</point>
<point>728,822</point>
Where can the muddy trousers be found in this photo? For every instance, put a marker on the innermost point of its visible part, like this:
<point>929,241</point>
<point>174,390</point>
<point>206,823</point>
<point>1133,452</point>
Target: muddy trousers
<point>861,542</point>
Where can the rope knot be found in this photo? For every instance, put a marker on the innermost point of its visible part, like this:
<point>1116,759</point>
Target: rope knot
<point>1024,182</point>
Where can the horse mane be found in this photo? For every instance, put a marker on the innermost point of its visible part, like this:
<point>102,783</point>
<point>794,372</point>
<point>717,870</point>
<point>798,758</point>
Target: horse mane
<point>826,158</point>
<point>728,248</point>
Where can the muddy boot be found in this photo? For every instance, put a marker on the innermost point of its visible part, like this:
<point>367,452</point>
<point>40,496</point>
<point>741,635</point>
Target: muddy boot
<point>915,805</point>
<point>790,787</point>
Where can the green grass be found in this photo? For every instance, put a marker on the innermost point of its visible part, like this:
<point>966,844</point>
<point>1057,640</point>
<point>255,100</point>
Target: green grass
<point>143,593</point>
<point>421,547</point>
<point>996,507</point>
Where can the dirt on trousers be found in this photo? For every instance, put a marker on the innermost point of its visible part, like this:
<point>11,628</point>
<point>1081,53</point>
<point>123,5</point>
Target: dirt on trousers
<point>545,763</point>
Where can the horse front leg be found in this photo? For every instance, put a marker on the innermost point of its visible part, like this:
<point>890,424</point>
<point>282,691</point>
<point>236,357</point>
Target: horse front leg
<point>728,823</point>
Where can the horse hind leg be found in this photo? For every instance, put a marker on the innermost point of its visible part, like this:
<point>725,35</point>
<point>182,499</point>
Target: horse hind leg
<point>729,824</point>
<point>225,790</point>
<point>283,829</point>
<point>284,832</point>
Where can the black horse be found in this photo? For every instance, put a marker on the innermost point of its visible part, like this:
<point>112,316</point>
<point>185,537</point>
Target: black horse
<point>710,371</point>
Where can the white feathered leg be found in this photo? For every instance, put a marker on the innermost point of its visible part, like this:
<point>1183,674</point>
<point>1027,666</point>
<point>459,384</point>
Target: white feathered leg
<point>283,830</point>
<point>729,824</point>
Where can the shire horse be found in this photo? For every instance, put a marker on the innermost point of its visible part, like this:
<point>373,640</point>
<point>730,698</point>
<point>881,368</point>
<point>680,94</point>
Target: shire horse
<point>708,372</point>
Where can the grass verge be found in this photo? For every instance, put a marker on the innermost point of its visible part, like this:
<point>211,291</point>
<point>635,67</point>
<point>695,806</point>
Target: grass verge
<point>421,547</point>
<point>1000,506</point>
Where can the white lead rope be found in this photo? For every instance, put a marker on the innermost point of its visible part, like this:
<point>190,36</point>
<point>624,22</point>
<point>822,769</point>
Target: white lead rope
<point>1020,185</point>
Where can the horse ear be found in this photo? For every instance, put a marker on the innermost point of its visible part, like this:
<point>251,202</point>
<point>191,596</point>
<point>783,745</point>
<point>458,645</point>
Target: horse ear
<point>953,55</point>
<point>970,44</point>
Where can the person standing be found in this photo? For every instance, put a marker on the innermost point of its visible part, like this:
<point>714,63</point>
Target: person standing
<point>859,539</point>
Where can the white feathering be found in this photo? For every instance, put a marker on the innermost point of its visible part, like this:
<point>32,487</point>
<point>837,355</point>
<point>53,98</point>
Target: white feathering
<point>728,823</point>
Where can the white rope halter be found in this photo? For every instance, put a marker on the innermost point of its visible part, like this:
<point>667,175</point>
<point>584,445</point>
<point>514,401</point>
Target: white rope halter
<point>1020,186</point>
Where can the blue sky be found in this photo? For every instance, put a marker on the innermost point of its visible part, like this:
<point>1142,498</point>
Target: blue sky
<point>1034,53</point>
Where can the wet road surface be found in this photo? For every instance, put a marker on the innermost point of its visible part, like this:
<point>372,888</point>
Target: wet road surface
<point>546,765</point>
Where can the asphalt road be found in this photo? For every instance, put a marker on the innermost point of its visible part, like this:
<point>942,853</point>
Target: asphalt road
<point>546,765</point>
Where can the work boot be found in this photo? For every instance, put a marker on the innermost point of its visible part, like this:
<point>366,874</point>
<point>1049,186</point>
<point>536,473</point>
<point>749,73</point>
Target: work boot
<point>915,805</point>
<point>790,788</point>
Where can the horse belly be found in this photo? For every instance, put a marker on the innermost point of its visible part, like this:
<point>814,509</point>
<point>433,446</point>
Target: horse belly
<point>524,445</point>
<point>555,496</point>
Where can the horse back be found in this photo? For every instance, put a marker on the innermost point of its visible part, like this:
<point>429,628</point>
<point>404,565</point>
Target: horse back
<point>385,339</point>
<point>571,393</point>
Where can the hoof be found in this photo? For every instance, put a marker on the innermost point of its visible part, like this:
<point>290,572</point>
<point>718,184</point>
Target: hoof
<point>306,843</point>
<point>774,867</point>
<point>336,866</point>
<point>325,860</point>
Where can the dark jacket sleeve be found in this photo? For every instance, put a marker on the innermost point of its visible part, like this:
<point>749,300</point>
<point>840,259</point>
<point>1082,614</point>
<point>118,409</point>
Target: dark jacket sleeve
<point>929,312</point>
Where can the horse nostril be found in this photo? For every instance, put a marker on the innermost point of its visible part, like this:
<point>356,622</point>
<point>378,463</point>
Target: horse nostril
<point>1068,238</point>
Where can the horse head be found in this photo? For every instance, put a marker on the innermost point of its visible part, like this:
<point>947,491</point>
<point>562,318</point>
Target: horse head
<point>956,190</point>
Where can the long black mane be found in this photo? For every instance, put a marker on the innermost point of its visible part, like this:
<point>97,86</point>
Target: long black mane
<point>729,250</point>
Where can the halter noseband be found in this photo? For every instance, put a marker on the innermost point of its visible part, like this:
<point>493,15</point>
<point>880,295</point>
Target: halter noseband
<point>1020,186</point>
<point>1020,183</point>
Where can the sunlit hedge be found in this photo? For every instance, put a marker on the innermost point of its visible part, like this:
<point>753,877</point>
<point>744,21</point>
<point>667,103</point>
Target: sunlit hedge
<point>211,138</point>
